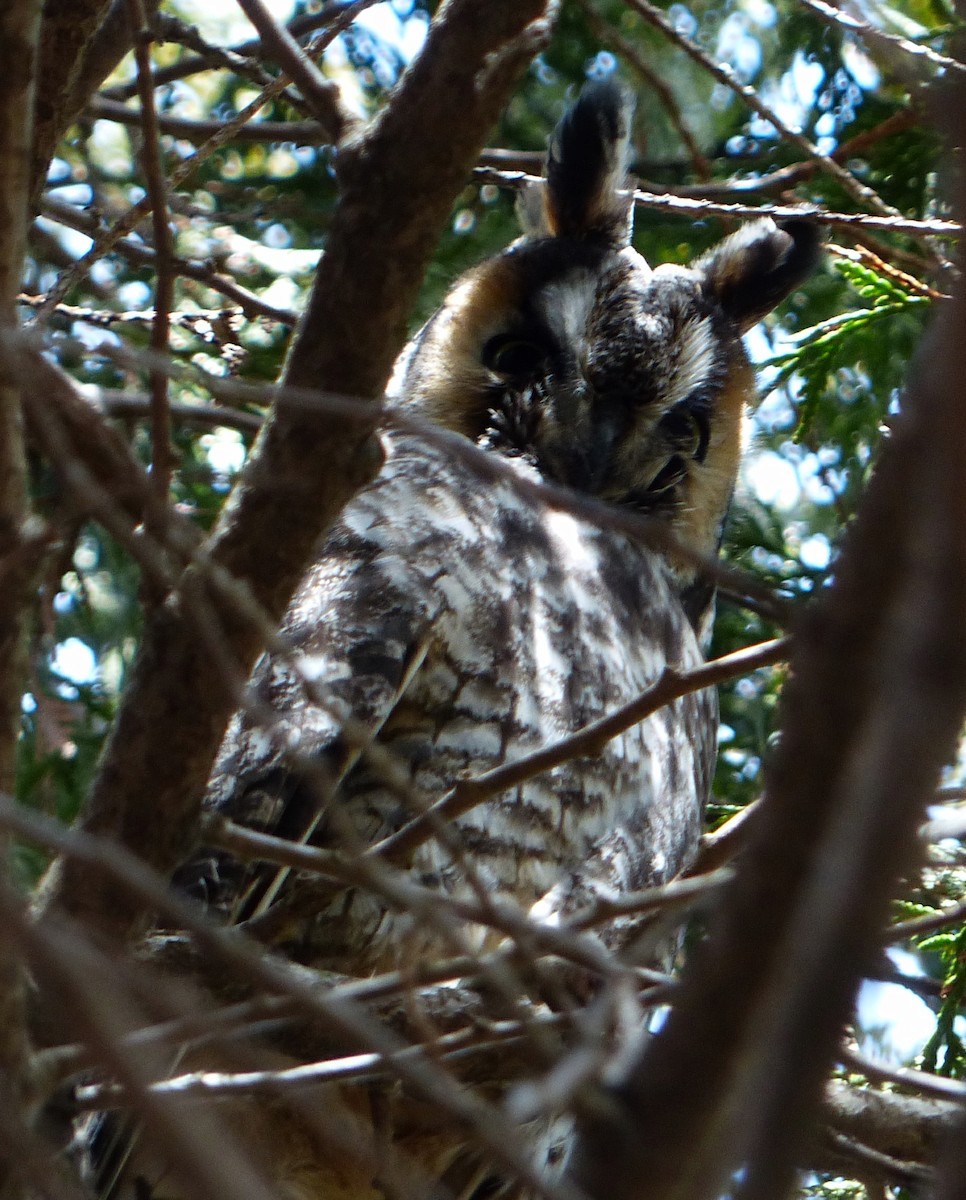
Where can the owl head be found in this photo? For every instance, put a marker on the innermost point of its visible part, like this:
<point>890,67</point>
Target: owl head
<point>620,380</point>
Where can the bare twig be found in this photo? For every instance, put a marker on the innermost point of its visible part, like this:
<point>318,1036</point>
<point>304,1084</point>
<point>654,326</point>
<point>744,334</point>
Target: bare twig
<point>923,1082</point>
<point>359,1068</point>
<point>161,461</point>
<point>207,416</point>
<point>874,37</point>
<point>727,841</point>
<point>902,278</point>
<point>334,18</point>
<point>699,209</point>
<point>909,1174</point>
<point>107,239</point>
<point>726,76</point>
<point>302,133</point>
<point>469,793</point>
<point>321,95</point>
<point>204,273</point>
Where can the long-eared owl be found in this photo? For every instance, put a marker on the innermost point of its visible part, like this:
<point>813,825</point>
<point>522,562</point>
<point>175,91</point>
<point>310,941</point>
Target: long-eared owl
<point>461,622</point>
<point>456,618</point>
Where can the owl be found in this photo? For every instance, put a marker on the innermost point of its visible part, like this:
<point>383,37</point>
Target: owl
<point>461,614</point>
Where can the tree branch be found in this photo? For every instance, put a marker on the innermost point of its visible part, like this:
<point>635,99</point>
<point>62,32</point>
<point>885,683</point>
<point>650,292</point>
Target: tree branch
<point>321,95</point>
<point>398,184</point>
<point>81,42</point>
<point>19,30</point>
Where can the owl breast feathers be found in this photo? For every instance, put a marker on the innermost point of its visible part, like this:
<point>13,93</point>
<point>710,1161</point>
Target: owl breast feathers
<point>460,625</point>
<point>453,621</point>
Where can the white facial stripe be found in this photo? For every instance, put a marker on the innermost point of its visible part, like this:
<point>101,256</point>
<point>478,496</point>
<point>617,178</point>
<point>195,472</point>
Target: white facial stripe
<point>566,305</point>
<point>694,361</point>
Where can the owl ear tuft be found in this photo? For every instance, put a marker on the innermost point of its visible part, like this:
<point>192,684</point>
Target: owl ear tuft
<point>587,164</point>
<point>753,270</point>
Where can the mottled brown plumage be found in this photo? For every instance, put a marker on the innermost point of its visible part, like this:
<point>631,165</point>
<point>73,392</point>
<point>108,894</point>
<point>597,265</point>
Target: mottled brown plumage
<point>453,622</point>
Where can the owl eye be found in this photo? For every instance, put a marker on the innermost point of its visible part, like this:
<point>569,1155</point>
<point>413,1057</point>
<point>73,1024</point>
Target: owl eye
<point>673,471</point>
<point>509,354</point>
<point>688,429</point>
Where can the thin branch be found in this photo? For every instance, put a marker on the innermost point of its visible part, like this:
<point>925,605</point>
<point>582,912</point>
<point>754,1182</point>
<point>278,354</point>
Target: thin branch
<point>866,32</point>
<point>211,325</point>
<point>917,927</point>
<point>302,133</point>
<point>135,251</point>
<point>106,240</point>
<point>338,871</point>
<point>672,685</point>
<point>359,1068</point>
<point>172,29</point>
<point>725,75</point>
<point>902,278</point>
<point>699,209</point>
<point>908,1174</point>
<point>923,1082</point>
<point>727,841</point>
<point>678,895</point>
<point>783,178</point>
<point>161,452</point>
<point>334,18</point>
<point>320,93</point>
<point>206,416</point>
<point>860,225</point>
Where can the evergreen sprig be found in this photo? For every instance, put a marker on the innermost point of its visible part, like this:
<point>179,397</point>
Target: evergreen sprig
<point>860,342</point>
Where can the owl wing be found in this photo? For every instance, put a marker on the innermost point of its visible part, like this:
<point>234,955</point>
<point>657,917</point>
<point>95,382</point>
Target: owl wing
<point>357,631</point>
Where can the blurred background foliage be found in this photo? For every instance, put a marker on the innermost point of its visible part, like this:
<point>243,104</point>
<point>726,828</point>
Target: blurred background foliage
<point>833,359</point>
